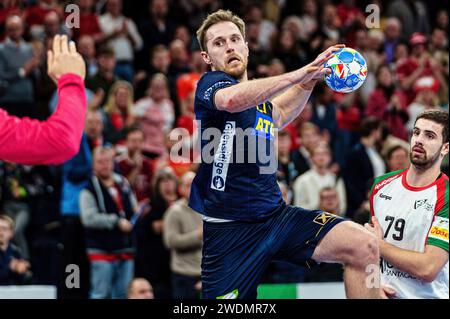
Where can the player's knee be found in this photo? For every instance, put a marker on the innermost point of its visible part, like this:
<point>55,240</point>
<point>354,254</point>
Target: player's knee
<point>365,251</point>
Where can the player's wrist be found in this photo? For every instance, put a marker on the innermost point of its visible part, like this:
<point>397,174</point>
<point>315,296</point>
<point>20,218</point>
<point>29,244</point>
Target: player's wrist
<point>307,86</point>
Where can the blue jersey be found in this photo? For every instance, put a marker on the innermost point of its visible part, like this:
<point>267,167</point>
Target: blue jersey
<point>234,181</point>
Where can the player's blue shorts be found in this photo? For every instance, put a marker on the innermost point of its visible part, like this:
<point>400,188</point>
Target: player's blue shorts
<point>236,254</point>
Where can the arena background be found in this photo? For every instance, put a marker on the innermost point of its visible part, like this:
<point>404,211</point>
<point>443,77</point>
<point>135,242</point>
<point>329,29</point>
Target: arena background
<point>159,39</point>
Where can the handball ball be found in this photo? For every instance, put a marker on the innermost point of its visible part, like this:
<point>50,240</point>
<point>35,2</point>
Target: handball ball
<point>348,70</point>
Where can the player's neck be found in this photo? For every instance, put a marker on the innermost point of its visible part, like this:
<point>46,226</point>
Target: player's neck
<point>417,177</point>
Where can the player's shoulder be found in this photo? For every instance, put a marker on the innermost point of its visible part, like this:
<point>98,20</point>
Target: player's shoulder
<point>214,78</point>
<point>385,179</point>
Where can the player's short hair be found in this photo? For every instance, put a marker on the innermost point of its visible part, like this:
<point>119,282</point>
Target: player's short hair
<point>370,124</point>
<point>8,220</point>
<point>437,116</point>
<point>214,18</point>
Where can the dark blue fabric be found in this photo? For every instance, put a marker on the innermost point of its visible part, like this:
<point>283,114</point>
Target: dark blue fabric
<point>244,193</point>
<point>7,277</point>
<point>75,176</point>
<point>236,254</point>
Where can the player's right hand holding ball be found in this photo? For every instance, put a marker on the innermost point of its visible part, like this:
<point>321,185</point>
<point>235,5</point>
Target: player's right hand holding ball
<point>64,58</point>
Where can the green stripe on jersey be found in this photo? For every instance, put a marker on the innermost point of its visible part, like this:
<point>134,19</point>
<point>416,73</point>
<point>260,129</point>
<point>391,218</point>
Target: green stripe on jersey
<point>444,210</point>
<point>438,243</point>
<point>383,177</point>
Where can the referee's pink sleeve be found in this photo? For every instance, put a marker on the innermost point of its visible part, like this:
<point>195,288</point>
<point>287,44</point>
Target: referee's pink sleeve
<point>54,141</point>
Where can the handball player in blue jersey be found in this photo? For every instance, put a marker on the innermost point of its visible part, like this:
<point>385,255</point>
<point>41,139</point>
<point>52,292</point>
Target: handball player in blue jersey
<point>246,222</point>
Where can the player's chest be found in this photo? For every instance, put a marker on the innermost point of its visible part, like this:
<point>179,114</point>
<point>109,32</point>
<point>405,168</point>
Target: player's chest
<point>256,121</point>
<point>405,216</point>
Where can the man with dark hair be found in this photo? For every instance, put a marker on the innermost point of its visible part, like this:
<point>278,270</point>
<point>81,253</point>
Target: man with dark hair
<point>409,210</point>
<point>105,77</point>
<point>363,164</point>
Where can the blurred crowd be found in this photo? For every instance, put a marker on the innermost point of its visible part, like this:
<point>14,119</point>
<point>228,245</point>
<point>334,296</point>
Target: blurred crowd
<point>118,209</point>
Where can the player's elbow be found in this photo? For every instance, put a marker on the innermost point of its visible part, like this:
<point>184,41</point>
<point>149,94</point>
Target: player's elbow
<point>227,103</point>
<point>68,150</point>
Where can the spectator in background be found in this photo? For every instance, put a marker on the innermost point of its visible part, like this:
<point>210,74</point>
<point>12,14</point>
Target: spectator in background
<point>157,27</point>
<point>140,288</point>
<point>439,52</point>
<point>153,258</point>
<point>392,33</point>
<point>389,104</point>
<point>287,50</point>
<point>8,8</point>
<point>266,28</point>
<point>179,59</point>
<point>397,158</point>
<point>286,167</point>
<point>13,268</point>
<point>183,235</point>
<point>118,112</point>
<point>259,57</point>
<point>329,201</point>
<point>104,78</point>
<point>309,138</point>
<point>182,33</point>
<point>89,22</point>
<point>307,186</point>
<point>363,163</point>
<point>159,63</point>
<point>15,191</point>
<point>35,15</point>
<point>18,61</point>
<point>76,174</point>
<point>155,115</point>
<point>137,168</point>
<point>324,113</point>
<point>86,47</point>
<point>106,205</point>
<point>330,22</point>
<point>53,25</point>
<point>121,34</point>
<point>417,65</point>
<point>412,14</point>
<point>426,92</point>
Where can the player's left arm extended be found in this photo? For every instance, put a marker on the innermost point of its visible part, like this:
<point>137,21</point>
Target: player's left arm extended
<point>424,266</point>
<point>288,105</point>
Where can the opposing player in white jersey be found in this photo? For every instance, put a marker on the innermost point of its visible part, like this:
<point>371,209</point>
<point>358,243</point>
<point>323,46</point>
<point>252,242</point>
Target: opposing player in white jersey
<point>409,211</point>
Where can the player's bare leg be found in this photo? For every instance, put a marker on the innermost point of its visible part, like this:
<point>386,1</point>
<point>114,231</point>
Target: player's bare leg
<point>350,244</point>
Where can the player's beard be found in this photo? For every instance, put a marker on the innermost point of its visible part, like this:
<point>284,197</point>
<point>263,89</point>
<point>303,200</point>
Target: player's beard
<point>237,71</point>
<point>423,161</point>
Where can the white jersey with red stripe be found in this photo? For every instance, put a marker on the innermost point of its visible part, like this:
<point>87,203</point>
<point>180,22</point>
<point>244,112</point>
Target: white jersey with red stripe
<point>411,218</point>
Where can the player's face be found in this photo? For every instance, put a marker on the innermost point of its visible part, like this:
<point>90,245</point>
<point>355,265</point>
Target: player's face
<point>226,49</point>
<point>427,147</point>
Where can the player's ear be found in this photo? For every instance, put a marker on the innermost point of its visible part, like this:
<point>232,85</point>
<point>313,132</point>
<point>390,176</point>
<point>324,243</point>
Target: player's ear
<point>205,57</point>
<point>445,149</point>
